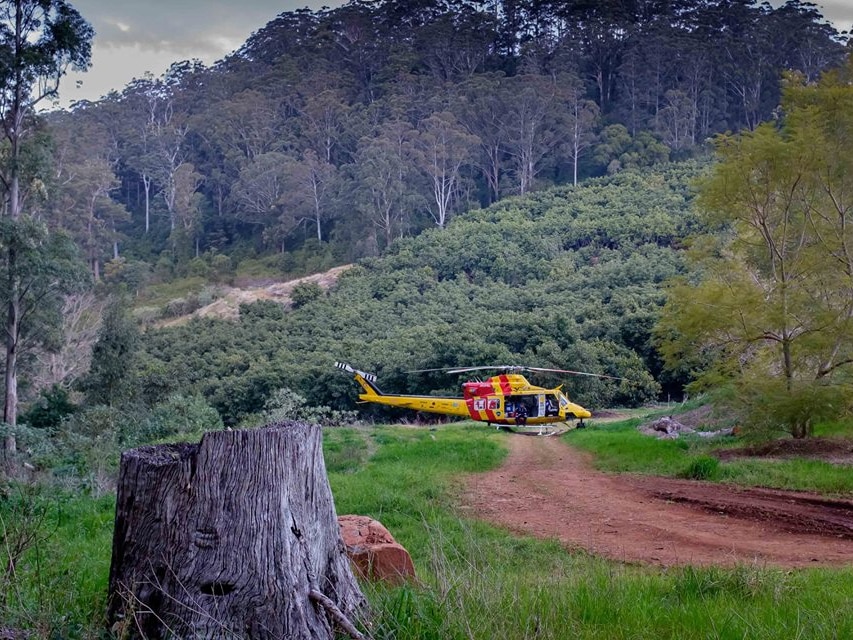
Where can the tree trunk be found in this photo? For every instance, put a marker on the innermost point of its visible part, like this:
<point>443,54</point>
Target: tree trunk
<point>13,319</point>
<point>228,538</point>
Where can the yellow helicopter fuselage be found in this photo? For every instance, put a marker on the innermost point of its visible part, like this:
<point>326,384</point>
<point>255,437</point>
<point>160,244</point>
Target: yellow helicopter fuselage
<point>507,399</point>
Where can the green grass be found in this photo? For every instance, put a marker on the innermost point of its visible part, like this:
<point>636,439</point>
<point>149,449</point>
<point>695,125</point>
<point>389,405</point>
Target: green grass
<point>620,448</point>
<point>59,586</point>
<point>480,582</point>
<point>797,475</point>
<point>161,294</point>
<point>830,429</point>
<point>259,268</point>
<point>475,581</point>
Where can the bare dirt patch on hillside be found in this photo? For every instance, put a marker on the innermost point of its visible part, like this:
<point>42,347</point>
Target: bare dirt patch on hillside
<point>549,490</point>
<point>228,305</point>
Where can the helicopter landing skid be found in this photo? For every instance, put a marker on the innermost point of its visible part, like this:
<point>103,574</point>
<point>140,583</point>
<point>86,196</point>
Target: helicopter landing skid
<point>536,430</point>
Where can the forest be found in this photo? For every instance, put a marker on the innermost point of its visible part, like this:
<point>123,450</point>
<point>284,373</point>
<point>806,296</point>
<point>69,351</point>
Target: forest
<point>653,190</point>
<point>513,180</point>
<point>340,130</point>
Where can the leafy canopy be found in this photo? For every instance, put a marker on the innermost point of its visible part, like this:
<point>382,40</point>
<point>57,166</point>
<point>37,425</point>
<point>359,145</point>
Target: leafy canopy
<point>768,306</point>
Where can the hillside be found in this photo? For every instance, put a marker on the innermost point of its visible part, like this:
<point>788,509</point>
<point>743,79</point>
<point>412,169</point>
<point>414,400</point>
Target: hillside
<point>330,134</point>
<point>569,277</point>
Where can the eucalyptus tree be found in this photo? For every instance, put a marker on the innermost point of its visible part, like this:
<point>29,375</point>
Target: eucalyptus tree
<point>748,62</point>
<point>168,129</point>
<point>39,40</point>
<point>83,186</point>
<point>456,42</point>
<point>322,119</point>
<point>155,142</point>
<point>481,106</point>
<point>310,183</point>
<point>771,303</point>
<point>136,141</point>
<point>359,45</point>
<point>534,124</point>
<point>382,179</point>
<point>676,120</point>
<point>582,124</point>
<point>230,133</point>
<point>187,207</point>
<point>804,40</point>
<point>598,33</point>
<point>445,150</point>
<point>259,196</point>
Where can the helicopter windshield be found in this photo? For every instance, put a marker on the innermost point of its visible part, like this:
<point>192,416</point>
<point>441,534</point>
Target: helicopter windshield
<point>564,401</point>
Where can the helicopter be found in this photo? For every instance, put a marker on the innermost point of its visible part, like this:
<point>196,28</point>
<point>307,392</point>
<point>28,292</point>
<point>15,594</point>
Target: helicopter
<point>503,400</point>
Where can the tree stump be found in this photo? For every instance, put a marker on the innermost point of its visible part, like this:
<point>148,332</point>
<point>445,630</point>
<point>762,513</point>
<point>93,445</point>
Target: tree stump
<point>235,537</point>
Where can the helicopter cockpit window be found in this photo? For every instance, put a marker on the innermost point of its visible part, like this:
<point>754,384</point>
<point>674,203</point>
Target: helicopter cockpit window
<point>564,401</point>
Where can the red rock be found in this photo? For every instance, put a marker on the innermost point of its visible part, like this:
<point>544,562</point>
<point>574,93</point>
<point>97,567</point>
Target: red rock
<point>373,552</point>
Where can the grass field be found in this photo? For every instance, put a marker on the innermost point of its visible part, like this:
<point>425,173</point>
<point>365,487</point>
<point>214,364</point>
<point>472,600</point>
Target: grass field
<point>479,582</point>
<point>619,447</point>
<point>475,581</point>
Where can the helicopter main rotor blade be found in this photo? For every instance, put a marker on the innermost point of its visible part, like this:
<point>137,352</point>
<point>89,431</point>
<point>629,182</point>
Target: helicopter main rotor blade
<point>464,369</point>
<point>575,373</point>
<point>499,367</point>
<point>515,367</point>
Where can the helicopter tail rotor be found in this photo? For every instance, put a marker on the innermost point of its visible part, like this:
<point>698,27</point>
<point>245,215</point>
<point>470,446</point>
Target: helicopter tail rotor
<point>343,366</point>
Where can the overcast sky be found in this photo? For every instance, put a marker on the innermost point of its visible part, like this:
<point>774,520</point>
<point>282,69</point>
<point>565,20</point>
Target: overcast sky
<point>132,37</point>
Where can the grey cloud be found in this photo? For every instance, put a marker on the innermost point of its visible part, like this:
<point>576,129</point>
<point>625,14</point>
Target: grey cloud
<point>838,12</point>
<point>192,28</point>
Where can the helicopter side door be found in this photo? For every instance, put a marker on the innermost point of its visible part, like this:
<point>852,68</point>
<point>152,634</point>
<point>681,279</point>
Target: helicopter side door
<point>535,405</point>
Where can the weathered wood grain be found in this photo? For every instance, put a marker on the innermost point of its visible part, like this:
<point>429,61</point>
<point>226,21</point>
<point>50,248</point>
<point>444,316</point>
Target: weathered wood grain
<point>227,538</point>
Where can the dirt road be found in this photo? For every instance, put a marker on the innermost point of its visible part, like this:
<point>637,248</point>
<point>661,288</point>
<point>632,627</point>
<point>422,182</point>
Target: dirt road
<point>549,490</point>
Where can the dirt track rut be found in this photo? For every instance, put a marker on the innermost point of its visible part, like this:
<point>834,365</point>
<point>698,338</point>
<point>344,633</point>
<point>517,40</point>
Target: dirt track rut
<point>549,490</point>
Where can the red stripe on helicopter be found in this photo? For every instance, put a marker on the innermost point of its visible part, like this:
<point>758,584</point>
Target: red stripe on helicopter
<point>471,410</point>
<point>484,408</point>
<point>506,388</point>
<point>501,386</point>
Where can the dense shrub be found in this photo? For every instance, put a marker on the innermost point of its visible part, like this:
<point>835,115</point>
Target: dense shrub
<point>305,292</point>
<point>286,404</point>
<point>702,468</point>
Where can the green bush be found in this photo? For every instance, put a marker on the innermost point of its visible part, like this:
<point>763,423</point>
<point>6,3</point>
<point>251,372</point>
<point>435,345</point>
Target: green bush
<point>286,404</point>
<point>198,267</point>
<point>305,292</point>
<point>176,416</point>
<point>221,266</point>
<point>702,468</point>
<point>182,306</point>
<point>52,406</point>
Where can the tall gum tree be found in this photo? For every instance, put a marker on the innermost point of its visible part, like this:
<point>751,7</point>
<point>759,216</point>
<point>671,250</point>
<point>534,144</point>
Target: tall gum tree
<point>771,301</point>
<point>39,40</point>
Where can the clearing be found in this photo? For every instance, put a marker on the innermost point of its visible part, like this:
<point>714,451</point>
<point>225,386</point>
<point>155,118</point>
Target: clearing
<point>547,489</point>
<point>228,305</point>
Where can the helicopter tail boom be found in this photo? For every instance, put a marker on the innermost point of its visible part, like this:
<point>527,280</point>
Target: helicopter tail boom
<point>429,404</point>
